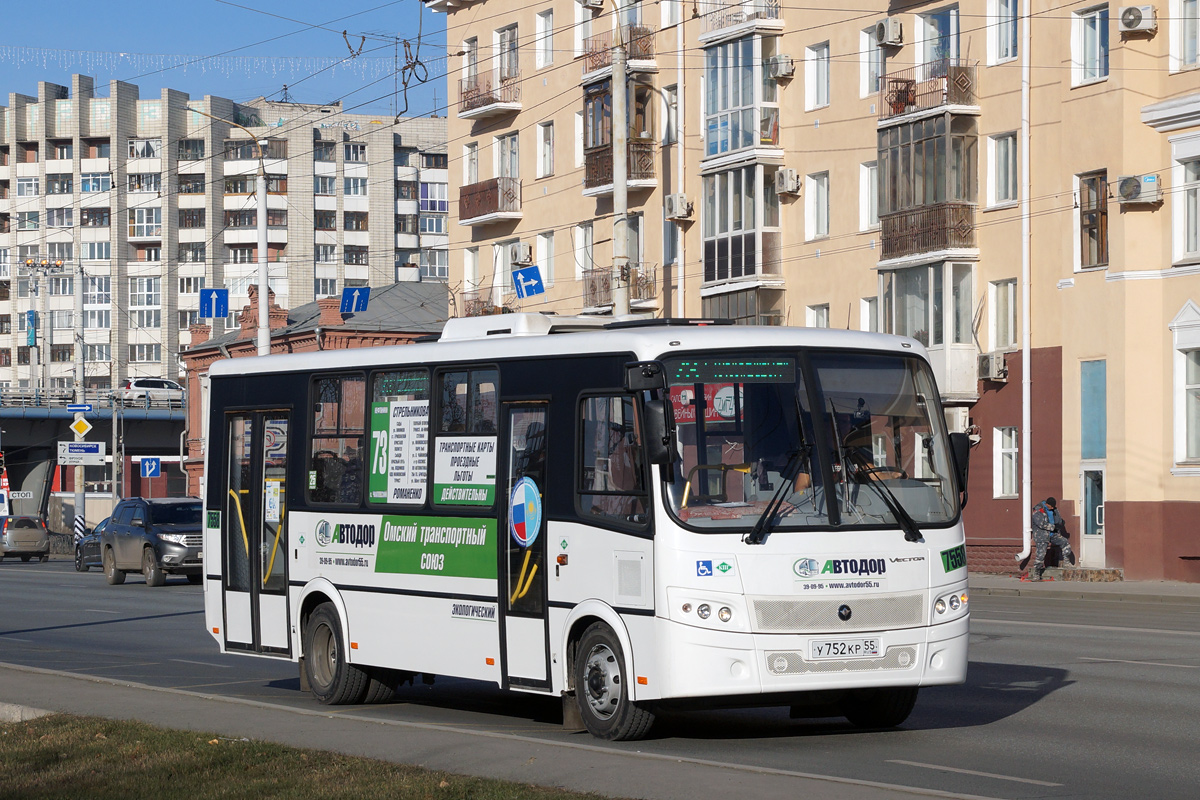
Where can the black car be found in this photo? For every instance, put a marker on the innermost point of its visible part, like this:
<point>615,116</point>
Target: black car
<point>154,537</point>
<point>87,547</point>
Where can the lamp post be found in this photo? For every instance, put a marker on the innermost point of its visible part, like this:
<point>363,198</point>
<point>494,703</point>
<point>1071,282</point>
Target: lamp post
<point>264,327</point>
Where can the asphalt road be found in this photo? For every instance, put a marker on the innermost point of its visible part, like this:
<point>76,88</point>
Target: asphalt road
<point>1064,698</point>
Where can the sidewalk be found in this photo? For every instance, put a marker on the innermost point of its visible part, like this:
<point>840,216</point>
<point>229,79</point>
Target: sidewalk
<point>983,583</point>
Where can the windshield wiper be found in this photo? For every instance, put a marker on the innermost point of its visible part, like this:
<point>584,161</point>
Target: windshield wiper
<point>766,520</point>
<point>911,532</point>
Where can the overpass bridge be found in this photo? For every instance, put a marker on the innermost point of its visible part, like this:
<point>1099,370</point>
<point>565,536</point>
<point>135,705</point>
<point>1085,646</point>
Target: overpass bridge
<point>33,421</point>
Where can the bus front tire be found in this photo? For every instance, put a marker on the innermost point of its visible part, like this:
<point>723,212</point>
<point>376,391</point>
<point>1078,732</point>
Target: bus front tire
<point>879,708</point>
<point>332,680</point>
<point>600,689</point>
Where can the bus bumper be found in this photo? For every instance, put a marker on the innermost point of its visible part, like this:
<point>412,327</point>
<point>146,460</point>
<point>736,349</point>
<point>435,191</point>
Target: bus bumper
<point>703,663</point>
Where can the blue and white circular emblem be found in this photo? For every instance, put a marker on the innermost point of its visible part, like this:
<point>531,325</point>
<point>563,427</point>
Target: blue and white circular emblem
<point>525,512</point>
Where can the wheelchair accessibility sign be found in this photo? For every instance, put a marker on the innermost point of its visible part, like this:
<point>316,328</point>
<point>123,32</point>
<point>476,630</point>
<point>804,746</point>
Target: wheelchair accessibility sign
<point>704,569</point>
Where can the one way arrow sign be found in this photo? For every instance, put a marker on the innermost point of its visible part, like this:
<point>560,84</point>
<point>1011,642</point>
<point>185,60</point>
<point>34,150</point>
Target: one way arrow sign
<point>354,299</point>
<point>528,282</point>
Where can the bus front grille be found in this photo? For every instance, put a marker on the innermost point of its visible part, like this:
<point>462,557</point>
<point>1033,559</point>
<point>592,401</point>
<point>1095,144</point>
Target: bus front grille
<point>792,663</point>
<point>775,615</point>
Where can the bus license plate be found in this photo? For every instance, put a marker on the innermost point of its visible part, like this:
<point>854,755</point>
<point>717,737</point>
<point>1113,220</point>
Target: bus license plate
<point>844,648</point>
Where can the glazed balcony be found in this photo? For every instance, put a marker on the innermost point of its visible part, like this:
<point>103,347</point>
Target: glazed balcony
<point>639,47</point>
<point>718,16</point>
<point>930,229</point>
<point>598,286</point>
<point>489,95</point>
<point>945,82</point>
<point>489,201</point>
<point>598,168</point>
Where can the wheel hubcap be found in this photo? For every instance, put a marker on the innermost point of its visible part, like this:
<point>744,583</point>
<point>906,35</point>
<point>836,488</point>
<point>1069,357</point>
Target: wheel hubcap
<point>603,679</point>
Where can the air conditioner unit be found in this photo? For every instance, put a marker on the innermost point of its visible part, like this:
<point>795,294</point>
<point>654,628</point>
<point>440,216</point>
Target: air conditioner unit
<point>992,367</point>
<point>787,181</point>
<point>1139,189</point>
<point>888,32</point>
<point>522,254</point>
<point>593,4</point>
<point>780,67</point>
<point>1136,19</point>
<point>676,206</point>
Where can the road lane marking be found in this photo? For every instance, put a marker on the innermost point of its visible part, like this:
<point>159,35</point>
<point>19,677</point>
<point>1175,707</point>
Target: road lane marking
<point>202,663</point>
<point>1142,663</point>
<point>15,639</point>
<point>102,611</point>
<point>972,772</point>
<point>1112,628</point>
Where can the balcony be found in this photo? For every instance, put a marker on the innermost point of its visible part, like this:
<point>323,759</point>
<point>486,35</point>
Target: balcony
<point>494,95</point>
<point>598,168</point>
<point>597,286</point>
<point>480,303</point>
<point>489,201</point>
<point>639,47</point>
<point>946,82</point>
<point>931,229</point>
<point>718,16</point>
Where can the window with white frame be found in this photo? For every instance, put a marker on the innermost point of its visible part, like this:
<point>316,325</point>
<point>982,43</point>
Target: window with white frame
<point>145,148</point>
<point>145,353</point>
<point>240,254</point>
<point>470,163</point>
<point>60,251</point>
<point>97,352</point>
<point>545,256</point>
<point>325,287</point>
<point>868,314</point>
<point>27,187</point>
<point>1089,45</point>
<point>193,252</point>
<point>470,59</point>
<point>98,291</point>
<point>355,187</point>
<point>817,316</point>
<point>1185,33</point>
<point>816,206</point>
<point>508,156</point>
<point>95,182</point>
<point>434,198</point>
<point>1002,166</point>
<point>545,149</point>
<point>1002,24</point>
<point>61,286</point>
<point>433,223</point>
<point>739,223</point>
<point>670,114</point>
<point>939,34</point>
<point>584,254</point>
<point>741,103</point>
<point>932,303</point>
<point>144,182</point>
<point>471,269</point>
<point>583,27</point>
<point>1185,210</point>
<point>191,284</point>
<point>145,302</point>
<point>325,253</point>
<point>506,53</point>
<point>1185,335</point>
<point>324,185</point>
<point>670,242</point>
<point>435,264</point>
<point>868,196</point>
<point>60,217</point>
<point>579,144</point>
<point>355,153</point>
<point>1002,300</point>
<point>544,34</point>
<point>145,222</point>
<point>873,64</point>
<point>816,76</point>
<point>1004,462</point>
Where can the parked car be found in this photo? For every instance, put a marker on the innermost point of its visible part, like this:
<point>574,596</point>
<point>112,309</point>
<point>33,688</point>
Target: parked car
<point>156,390</point>
<point>157,537</point>
<point>25,537</point>
<point>87,547</point>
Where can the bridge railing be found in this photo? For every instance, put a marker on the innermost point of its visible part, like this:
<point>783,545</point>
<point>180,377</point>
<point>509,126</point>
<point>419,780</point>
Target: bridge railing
<point>97,398</point>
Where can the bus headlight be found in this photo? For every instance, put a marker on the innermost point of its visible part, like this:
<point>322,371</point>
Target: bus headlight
<point>725,614</point>
<point>954,603</point>
<point>703,611</point>
<point>940,606</point>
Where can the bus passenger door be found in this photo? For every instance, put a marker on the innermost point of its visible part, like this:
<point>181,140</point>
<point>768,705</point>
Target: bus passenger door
<point>255,530</point>
<point>523,555</point>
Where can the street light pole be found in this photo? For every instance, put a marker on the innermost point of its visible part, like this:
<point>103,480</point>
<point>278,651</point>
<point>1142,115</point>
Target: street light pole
<point>80,396</point>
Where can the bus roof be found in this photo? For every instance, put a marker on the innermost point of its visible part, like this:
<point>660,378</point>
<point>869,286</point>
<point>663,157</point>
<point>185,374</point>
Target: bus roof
<point>538,335</point>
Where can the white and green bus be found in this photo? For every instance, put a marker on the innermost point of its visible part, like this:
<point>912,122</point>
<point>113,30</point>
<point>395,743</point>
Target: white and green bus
<point>630,516</point>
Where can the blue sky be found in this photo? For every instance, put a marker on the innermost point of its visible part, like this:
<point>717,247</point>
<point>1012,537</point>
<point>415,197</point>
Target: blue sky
<point>242,52</point>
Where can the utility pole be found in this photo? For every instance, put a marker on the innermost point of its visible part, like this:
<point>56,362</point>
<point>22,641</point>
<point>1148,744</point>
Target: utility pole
<point>80,396</point>
<point>620,139</point>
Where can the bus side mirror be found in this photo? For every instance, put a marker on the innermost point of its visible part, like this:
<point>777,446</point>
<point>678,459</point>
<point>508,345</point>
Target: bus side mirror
<point>645,376</point>
<point>659,432</point>
<point>960,448</point>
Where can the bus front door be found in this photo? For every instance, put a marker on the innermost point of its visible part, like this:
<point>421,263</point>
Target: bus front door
<point>255,533</point>
<point>523,554</point>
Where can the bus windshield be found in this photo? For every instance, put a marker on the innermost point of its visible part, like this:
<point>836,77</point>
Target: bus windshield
<point>843,437</point>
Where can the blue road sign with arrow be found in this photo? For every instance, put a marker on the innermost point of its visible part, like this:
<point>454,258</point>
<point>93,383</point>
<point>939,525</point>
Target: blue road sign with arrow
<point>214,303</point>
<point>151,467</point>
<point>354,299</point>
<point>528,281</point>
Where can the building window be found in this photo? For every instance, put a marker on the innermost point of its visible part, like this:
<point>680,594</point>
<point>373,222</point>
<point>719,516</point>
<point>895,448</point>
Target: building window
<point>355,187</point>
<point>1089,45</point>
<point>1004,462</point>
<point>435,264</point>
<point>355,153</point>
<point>29,220</point>
<point>506,52</point>
<point>142,182</point>
<point>1003,302</point>
<point>508,156</point>
<point>97,352</point>
<point>736,85</point>
<point>191,285</point>
<point>94,217</point>
<point>59,184</point>
<point>816,74</point>
<point>670,242</point>
<point>910,180</point>
<point>545,149</point>
<point>324,185</point>
<point>191,184</point>
<point>60,217</point>
<point>95,182</point>
<point>240,254</point>
<point>355,255</point>
<point>544,34</point>
<point>670,115</point>
<point>62,353</point>
<point>940,34</point>
<point>325,287</point>
<point>1003,167</point>
<point>1187,209</point>
<point>145,292</point>
<point>545,257</point>
<point>434,161</point>
<point>241,219</point>
<point>735,245</point>
<point>433,223</point>
<point>748,307</point>
<point>584,253</point>
<point>874,63</point>
<point>325,253</point>
<point>1002,19</point>
<point>191,149</point>
<point>61,287</point>
<point>145,148</point>
<point>924,301</point>
<point>60,251</point>
<point>817,316</point>
<point>583,27</point>
<point>145,353</point>
<point>194,217</point>
<point>816,207</point>
<point>98,291</point>
<point>1185,22</point>
<point>325,220</point>
<point>240,184</point>
<point>63,151</point>
<point>1093,219</point>
<point>868,314</point>
<point>324,151</point>
<point>470,166</point>
<point>407,223</point>
<point>27,187</point>
<point>406,190</point>
<point>868,193</point>
<point>193,253</point>
<point>355,220</point>
<point>434,198</point>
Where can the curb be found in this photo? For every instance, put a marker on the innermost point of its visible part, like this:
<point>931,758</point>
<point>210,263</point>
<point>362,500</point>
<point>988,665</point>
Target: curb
<point>10,712</point>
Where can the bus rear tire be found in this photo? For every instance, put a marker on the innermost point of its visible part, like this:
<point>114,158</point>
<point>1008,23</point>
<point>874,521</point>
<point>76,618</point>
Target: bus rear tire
<point>382,685</point>
<point>879,708</point>
<point>332,680</point>
<point>600,689</point>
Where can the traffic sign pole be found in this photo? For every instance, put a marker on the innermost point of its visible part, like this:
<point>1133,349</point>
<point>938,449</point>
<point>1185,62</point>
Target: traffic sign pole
<point>80,494</point>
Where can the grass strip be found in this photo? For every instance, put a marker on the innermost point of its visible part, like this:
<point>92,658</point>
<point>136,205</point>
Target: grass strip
<point>65,756</point>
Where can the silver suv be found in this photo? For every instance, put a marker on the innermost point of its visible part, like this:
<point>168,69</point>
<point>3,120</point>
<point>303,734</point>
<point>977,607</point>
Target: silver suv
<point>25,537</point>
<point>155,391</point>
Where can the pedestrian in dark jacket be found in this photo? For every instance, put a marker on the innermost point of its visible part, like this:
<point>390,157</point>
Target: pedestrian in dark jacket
<point>1047,530</point>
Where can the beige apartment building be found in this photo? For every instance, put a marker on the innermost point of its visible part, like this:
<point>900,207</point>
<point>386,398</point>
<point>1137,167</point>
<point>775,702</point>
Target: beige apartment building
<point>919,169</point>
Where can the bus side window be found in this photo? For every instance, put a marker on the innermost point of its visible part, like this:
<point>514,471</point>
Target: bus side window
<point>612,472</point>
<point>335,461</point>
<point>469,402</point>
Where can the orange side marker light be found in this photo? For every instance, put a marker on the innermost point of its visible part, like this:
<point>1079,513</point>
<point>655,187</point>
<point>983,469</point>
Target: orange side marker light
<point>643,681</point>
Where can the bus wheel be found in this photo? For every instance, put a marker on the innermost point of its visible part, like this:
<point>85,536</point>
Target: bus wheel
<point>114,576</point>
<point>879,708</point>
<point>600,682</point>
<point>381,688</point>
<point>333,681</point>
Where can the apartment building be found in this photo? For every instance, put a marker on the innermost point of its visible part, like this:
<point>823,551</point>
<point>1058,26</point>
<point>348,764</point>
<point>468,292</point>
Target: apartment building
<point>916,169</point>
<point>152,200</point>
